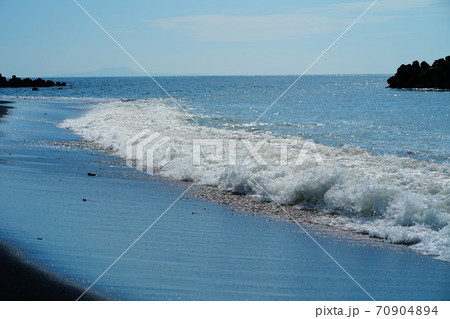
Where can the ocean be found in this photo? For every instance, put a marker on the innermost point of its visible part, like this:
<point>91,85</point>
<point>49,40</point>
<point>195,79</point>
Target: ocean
<point>374,159</point>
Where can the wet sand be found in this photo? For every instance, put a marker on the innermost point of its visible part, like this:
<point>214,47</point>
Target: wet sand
<point>4,108</point>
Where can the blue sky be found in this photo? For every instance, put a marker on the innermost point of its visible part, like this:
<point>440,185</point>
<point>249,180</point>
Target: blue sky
<point>52,37</point>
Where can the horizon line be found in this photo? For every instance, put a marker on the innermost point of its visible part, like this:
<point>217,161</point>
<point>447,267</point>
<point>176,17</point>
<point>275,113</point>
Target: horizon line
<point>194,75</point>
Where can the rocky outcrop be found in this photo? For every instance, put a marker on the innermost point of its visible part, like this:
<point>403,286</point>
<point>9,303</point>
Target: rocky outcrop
<point>16,82</point>
<point>422,76</point>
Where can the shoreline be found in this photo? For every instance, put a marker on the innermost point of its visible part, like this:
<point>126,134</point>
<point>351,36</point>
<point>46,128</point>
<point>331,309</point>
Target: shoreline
<point>244,205</point>
<point>322,222</point>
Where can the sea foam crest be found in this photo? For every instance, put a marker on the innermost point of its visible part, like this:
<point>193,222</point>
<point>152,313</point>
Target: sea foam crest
<point>397,198</point>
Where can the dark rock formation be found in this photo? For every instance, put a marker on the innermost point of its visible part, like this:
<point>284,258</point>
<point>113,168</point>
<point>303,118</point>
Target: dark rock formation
<point>423,76</point>
<point>16,82</point>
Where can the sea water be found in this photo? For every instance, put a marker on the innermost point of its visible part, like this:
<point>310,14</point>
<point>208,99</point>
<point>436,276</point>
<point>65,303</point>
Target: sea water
<point>381,156</point>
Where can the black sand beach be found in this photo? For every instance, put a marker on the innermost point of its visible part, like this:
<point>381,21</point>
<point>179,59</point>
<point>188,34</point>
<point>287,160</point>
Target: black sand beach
<point>22,280</point>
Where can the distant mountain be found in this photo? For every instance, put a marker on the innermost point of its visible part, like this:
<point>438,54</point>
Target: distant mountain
<point>113,71</point>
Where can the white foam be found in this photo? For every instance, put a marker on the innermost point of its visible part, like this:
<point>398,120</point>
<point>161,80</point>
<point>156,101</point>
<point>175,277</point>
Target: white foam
<point>397,198</point>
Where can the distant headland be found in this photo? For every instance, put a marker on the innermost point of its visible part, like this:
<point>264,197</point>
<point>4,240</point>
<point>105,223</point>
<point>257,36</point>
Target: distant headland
<point>15,82</point>
<point>422,76</point>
